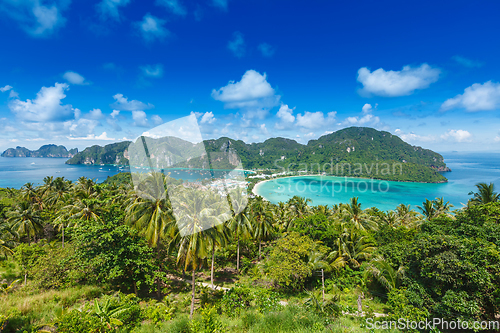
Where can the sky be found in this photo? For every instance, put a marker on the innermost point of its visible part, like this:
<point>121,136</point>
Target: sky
<point>80,73</point>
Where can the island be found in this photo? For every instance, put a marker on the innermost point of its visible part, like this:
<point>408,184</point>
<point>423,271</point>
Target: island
<point>44,151</point>
<point>352,152</point>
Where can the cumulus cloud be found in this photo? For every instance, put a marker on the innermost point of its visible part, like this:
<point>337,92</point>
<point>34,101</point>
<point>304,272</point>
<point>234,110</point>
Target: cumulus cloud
<point>314,120</point>
<point>467,62</point>
<point>478,97</point>
<point>152,28</point>
<point>74,78</point>
<point>285,114</point>
<point>412,137</point>
<point>81,127</point>
<point>157,119</point>
<point>154,71</point>
<point>207,118</point>
<point>457,136</point>
<point>174,6</point>
<point>103,136</point>
<point>263,129</point>
<point>110,9</point>
<point>47,105</point>
<point>39,18</point>
<point>266,50</point>
<point>366,118</point>
<point>237,45</point>
<point>396,83</point>
<point>114,113</point>
<point>5,88</point>
<point>123,104</point>
<point>140,119</point>
<point>252,93</point>
<point>95,114</point>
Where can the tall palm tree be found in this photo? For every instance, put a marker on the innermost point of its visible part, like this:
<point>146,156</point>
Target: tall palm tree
<point>57,191</point>
<point>262,217</point>
<point>7,238</point>
<point>299,206</point>
<point>197,213</point>
<point>485,194</point>
<point>441,207</point>
<point>24,220</point>
<point>428,209</point>
<point>149,211</point>
<point>31,194</point>
<point>239,225</point>
<point>351,248</point>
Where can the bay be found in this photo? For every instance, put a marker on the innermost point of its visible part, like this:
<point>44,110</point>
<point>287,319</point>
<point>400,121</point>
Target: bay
<point>467,170</point>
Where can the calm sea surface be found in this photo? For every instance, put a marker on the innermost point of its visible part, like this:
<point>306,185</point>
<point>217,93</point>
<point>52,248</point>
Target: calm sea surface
<point>468,169</point>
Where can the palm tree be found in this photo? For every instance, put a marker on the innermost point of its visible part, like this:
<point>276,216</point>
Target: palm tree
<point>407,216</point>
<point>7,237</point>
<point>299,206</point>
<point>31,194</point>
<point>441,207</point>
<point>428,209</point>
<point>197,212</point>
<point>239,224</point>
<point>57,191</point>
<point>351,248</point>
<point>317,261</point>
<point>358,217</point>
<point>384,273</point>
<point>262,217</point>
<point>24,220</point>
<point>485,194</point>
<point>149,211</point>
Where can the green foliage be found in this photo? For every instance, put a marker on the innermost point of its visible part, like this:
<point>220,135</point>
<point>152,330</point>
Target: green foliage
<point>156,312</point>
<point>236,299</point>
<point>288,261</point>
<point>208,323</point>
<point>402,308</point>
<point>267,301</point>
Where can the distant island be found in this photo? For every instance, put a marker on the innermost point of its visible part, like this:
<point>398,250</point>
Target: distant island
<point>354,152</point>
<point>44,151</point>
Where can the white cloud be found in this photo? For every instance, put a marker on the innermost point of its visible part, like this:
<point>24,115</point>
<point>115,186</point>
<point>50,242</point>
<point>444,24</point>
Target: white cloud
<point>154,71</point>
<point>263,129</point>
<point>74,78</point>
<point>286,116</point>
<point>207,118</point>
<point>237,44</point>
<point>6,88</point>
<point>174,6</point>
<point>110,8</point>
<point>222,4</point>
<point>103,136</point>
<point>95,114</point>
<point>13,94</point>
<point>115,113</point>
<point>152,28</point>
<point>314,120</point>
<point>457,135</point>
<point>478,97</point>
<point>123,104</point>
<point>45,107</point>
<point>80,127</point>
<point>157,120</point>
<point>140,119</point>
<point>252,93</point>
<point>367,108</point>
<point>396,83</point>
<point>467,62</point>
<point>39,18</point>
<point>266,50</point>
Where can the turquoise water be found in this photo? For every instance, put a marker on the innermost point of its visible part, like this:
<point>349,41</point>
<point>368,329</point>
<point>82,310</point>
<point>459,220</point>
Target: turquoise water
<point>15,172</point>
<point>467,170</point>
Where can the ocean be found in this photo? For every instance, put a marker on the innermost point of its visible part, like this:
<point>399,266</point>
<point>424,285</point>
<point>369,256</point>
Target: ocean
<point>467,170</point>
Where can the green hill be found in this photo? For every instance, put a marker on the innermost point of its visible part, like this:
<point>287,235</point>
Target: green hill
<point>354,151</point>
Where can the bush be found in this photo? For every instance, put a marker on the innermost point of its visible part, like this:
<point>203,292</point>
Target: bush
<point>236,299</point>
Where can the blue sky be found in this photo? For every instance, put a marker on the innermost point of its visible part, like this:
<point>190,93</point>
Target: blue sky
<point>93,72</point>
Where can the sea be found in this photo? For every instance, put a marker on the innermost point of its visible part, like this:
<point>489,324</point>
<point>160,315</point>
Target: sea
<point>468,169</point>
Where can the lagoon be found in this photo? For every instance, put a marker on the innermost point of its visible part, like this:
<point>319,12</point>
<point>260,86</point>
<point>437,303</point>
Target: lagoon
<point>467,170</point>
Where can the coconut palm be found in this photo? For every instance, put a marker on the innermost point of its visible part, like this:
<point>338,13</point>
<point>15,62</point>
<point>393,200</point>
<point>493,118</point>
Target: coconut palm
<point>441,207</point>
<point>197,213</point>
<point>262,218</point>
<point>384,273</point>
<point>239,225</point>
<point>351,248</point>
<point>485,194</point>
<point>31,194</point>
<point>57,191</point>
<point>24,220</point>
<point>359,218</point>
<point>299,206</point>
<point>427,209</point>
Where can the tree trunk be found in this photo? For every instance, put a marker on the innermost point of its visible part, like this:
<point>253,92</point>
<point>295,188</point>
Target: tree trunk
<point>192,295</point>
<point>25,275</point>
<point>323,283</point>
<point>260,245</point>
<point>213,261</point>
<point>135,288</point>
<point>63,235</point>
<point>158,287</point>
<point>238,257</point>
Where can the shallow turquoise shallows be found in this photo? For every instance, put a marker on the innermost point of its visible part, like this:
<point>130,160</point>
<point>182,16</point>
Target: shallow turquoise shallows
<point>468,169</point>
